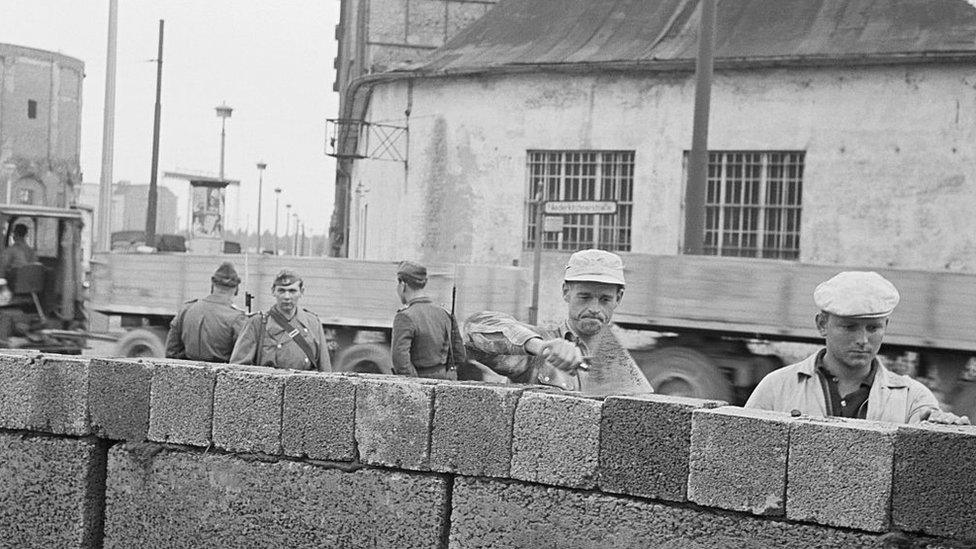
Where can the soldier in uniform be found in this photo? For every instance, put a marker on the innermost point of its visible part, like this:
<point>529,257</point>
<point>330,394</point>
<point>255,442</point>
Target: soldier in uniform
<point>286,336</point>
<point>426,339</point>
<point>206,329</point>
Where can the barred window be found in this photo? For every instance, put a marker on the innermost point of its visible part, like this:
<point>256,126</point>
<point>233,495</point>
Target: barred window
<point>752,204</point>
<point>582,175</point>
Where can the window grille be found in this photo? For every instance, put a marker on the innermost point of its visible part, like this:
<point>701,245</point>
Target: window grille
<point>753,203</point>
<point>582,175</point>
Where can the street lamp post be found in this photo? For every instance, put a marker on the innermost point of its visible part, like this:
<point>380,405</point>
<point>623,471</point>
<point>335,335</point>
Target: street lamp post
<point>261,167</point>
<point>277,197</point>
<point>287,223</point>
<point>295,244</point>
<point>223,112</point>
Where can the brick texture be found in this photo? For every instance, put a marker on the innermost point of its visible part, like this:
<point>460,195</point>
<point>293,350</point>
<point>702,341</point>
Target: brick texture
<point>319,417</point>
<point>181,403</point>
<point>119,398</point>
<point>247,409</point>
<point>393,422</point>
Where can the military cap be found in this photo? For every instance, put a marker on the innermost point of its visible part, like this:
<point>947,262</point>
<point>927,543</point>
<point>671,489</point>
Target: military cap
<point>226,275</point>
<point>413,273</point>
<point>595,266</point>
<point>861,294</point>
<point>286,277</point>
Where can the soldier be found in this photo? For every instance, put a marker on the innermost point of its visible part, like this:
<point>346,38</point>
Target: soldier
<point>206,329</point>
<point>18,253</point>
<point>845,378</point>
<point>287,336</point>
<point>578,354</point>
<point>426,339</point>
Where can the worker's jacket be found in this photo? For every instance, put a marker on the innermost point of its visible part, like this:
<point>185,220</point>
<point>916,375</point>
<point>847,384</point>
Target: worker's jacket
<point>893,398</point>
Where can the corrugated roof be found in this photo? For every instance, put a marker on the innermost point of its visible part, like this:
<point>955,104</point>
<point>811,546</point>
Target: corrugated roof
<point>519,33</point>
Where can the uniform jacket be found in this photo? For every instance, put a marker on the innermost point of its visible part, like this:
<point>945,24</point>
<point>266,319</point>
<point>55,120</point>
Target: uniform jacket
<point>205,329</point>
<point>496,340</point>
<point>423,333</point>
<point>278,349</point>
<point>893,398</point>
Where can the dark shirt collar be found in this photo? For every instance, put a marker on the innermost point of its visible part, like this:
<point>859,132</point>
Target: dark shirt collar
<point>419,299</point>
<point>866,382</point>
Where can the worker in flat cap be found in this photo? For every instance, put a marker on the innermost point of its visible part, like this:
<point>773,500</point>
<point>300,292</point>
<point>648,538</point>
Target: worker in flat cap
<point>286,336</point>
<point>206,329</point>
<point>580,353</point>
<point>845,378</point>
<point>426,339</point>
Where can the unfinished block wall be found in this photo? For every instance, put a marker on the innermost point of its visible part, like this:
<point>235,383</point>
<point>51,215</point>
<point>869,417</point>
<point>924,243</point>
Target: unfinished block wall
<point>109,453</point>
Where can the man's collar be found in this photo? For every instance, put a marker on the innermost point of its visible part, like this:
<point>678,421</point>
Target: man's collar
<point>888,378</point>
<point>294,312</point>
<point>419,299</point>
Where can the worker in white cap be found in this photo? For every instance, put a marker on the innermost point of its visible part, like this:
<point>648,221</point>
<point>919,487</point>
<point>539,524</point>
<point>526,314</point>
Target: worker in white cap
<point>578,354</point>
<point>845,378</point>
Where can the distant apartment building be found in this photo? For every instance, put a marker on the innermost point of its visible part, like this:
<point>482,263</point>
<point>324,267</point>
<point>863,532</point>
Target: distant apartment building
<point>40,126</point>
<point>129,205</point>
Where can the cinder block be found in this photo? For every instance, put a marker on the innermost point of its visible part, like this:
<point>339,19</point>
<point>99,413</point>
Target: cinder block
<point>47,393</point>
<point>934,486</point>
<point>119,398</point>
<point>319,417</point>
<point>645,442</point>
<point>496,513</point>
<point>247,409</point>
<point>556,439</point>
<point>181,402</point>
<point>160,497</point>
<point>472,432</point>
<point>59,395</point>
<point>839,472</point>
<point>738,459</point>
<point>426,25</point>
<point>393,422</point>
<point>50,491</point>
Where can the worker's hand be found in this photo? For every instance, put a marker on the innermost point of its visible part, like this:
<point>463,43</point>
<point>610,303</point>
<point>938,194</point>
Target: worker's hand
<point>559,353</point>
<point>947,418</point>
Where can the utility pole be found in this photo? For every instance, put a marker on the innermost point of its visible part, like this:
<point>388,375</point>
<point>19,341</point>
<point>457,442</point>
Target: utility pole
<point>540,205</point>
<point>261,167</point>
<point>151,207</point>
<point>277,192</point>
<point>287,224</point>
<point>698,158</point>
<point>108,133</point>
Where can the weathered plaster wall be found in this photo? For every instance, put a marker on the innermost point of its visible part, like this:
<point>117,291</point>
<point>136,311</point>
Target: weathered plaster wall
<point>889,173</point>
<point>106,452</point>
<point>43,153</point>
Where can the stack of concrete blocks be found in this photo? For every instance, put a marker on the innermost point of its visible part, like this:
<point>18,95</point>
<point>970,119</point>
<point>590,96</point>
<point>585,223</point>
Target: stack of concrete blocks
<point>160,452</point>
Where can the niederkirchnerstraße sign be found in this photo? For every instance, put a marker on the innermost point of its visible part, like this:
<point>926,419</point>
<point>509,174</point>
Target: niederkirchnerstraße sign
<point>581,207</point>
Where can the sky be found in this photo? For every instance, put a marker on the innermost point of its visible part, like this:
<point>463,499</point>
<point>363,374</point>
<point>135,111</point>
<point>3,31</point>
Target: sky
<point>270,60</point>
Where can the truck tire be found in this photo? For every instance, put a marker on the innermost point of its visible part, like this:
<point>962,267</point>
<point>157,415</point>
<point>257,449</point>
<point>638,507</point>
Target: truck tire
<point>681,371</point>
<point>365,358</point>
<point>140,343</point>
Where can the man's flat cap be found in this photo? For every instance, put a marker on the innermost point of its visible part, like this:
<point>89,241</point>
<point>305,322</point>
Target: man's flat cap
<point>226,275</point>
<point>595,266</point>
<point>286,277</point>
<point>411,272</point>
<point>861,294</point>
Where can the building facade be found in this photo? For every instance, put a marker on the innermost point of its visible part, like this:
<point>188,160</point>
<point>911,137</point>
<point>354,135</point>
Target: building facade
<point>379,35</point>
<point>40,126</point>
<point>828,144</point>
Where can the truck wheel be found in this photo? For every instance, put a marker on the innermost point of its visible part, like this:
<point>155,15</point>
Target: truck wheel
<point>680,371</point>
<point>365,358</point>
<point>140,343</point>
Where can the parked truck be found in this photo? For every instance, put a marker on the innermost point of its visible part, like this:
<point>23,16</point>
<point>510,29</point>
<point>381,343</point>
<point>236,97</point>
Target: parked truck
<point>139,293</point>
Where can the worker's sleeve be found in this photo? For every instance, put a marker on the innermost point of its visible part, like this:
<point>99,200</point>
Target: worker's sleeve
<point>923,402</point>
<point>763,396</point>
<point>247,344</point>
<point>457,343</point>
<point>498,333</point>
<point>403,330</point>
<point>325,362</point>
<point>174,339</point>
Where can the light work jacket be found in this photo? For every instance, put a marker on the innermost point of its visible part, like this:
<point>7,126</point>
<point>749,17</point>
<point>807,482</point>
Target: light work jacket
<point>893,398</point>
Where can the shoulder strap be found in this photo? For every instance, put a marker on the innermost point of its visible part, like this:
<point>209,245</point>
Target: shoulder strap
<point>296,335</point>
<point>261,330</point>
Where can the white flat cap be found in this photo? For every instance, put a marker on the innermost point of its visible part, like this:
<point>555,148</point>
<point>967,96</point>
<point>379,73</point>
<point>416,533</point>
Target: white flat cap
<point>595,266</point>
<point>862,294</point>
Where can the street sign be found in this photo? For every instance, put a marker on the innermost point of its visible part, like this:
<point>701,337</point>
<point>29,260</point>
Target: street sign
<point>552,224</point>
<point>581,207</point>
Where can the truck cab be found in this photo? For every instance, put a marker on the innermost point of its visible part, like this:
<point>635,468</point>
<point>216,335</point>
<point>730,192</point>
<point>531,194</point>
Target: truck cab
<point>41,302</point>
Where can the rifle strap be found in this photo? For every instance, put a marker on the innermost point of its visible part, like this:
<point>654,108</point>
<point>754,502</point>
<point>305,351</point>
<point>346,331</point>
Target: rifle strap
<point>296,335</point>
<point>264,322</point>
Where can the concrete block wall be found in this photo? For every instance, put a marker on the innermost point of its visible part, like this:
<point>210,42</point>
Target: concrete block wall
<point>112,453</point>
